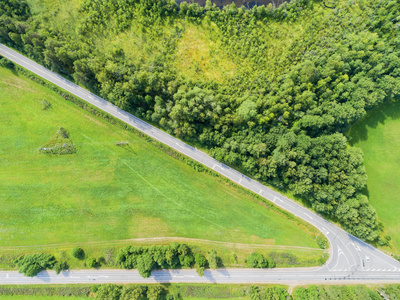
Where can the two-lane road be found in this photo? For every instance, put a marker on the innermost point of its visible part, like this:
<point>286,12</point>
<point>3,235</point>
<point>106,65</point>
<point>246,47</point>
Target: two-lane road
<point>351,259</point>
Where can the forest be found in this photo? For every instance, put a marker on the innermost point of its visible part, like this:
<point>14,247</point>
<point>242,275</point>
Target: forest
<point>269,91</point>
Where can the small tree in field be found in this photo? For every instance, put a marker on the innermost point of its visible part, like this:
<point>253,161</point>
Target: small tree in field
<point>78,253</point>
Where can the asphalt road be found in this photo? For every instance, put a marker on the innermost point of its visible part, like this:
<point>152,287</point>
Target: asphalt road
<point>350,259</point>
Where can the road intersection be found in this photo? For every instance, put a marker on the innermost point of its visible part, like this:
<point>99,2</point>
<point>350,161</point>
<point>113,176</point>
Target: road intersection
<point>350,258</point>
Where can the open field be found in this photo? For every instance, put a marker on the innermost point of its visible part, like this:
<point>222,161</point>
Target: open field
<point>378,136</point>
<point>108,193</point>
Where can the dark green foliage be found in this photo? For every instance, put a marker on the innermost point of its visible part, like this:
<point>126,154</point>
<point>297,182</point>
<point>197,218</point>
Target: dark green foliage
<point>257,260</point>
<point>31,265</point>
<point>283,123</point>
<point>146,259</point>
<point>60,266</point>
<point>78,253</point>
<point>6,63</point>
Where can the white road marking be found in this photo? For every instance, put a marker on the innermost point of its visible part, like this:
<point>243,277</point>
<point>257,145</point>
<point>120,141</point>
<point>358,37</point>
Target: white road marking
<point>309,216</point>
<point>326,231</point>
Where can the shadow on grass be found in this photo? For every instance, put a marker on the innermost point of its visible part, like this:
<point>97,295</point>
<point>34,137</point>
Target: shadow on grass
<point>359,132</point>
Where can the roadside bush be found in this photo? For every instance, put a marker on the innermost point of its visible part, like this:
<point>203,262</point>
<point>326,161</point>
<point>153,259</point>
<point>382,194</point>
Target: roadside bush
<point>201,263</point>
<point>257,260</point>
<point>146,259</point>
<point>134,293</point>
<point>78,253</point>
<point>60,266</point>
<point>322,242</point>
<point>31,265</point>
<point>213,260</point>
<point>109,292</point>
<point>91,262</point>
<point>7,63</point>
<point>155,292</point>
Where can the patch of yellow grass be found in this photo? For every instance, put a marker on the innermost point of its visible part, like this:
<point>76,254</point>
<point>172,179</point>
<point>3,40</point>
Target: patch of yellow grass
<point>199,56</point>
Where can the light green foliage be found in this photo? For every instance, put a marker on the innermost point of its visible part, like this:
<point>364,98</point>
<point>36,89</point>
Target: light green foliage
<point>113,193</point>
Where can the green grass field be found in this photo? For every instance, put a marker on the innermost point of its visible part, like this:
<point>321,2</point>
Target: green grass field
<point>379,138</point>
<point>105,193</point>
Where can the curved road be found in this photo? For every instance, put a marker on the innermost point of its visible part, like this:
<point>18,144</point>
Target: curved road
<point>351,259</point>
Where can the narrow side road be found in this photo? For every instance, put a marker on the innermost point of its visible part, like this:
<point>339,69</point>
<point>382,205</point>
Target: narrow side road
<point>351,259</point>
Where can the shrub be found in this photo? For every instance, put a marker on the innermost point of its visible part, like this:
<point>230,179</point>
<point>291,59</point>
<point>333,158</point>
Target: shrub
<point>78,253</point>
<point>322,242</point>
<point>257,260</point>
<point>91,262</point>
<point>213,260</point>
<point>60,266</point>
<point>31,265</point>
<point>108,292</point>
<point>201,263</point>
<point>155,292</point>
<point>134,293</point>
<point>7,63</point>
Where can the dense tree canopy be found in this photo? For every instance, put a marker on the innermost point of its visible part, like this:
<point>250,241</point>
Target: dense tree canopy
<point>269,91</point>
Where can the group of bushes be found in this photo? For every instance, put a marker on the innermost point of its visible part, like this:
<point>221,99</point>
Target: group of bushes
<point>175,255</point>
<point>31,265</point>
<point>117,292</point>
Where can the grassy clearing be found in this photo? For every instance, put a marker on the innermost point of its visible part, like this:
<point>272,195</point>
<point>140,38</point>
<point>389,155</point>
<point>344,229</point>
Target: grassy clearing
<point>108,193</point>
<point>379,138</point>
